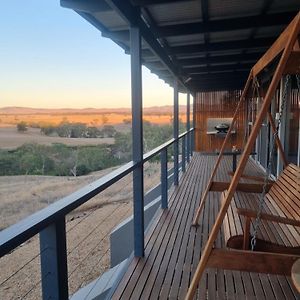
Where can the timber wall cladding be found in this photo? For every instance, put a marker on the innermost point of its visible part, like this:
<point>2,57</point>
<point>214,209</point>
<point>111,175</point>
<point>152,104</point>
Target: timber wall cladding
<point>294,122</point>
<point>219,104</point>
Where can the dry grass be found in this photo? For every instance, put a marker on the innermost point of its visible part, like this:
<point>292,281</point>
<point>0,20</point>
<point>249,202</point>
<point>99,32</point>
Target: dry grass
<point>88,119</point>
<point>88,227</point>
<point>10,138</point>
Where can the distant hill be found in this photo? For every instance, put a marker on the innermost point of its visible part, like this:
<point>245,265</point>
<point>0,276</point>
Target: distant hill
<point>14,110</point>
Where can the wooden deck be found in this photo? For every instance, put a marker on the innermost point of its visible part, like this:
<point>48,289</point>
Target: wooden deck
<point>173,249</point>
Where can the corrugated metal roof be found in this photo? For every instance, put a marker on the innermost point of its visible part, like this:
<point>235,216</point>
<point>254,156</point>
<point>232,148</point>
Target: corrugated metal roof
<point>232,35</point>
<point>282,5</point>
<point>268,31</point>
<point>111,20</point>
<point>220,9</point>
<point>176,13</point>
<point>188,39</point>
<point>181,36</point>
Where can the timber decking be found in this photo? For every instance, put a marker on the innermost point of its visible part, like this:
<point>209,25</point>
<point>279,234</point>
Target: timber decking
<point>173,248</point>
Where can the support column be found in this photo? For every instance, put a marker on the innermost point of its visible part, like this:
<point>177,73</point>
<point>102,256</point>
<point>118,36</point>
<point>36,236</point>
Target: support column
<point>188,126</point>
<point>54,269</point>
<point>283,127</point>
<point>175,132</point>
<point>137,140</point>
<point>194,124</point>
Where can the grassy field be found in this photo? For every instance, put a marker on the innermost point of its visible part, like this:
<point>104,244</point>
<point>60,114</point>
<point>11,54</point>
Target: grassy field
<point>88,227</point>
<point>88,119</point>
<point>10,138</point>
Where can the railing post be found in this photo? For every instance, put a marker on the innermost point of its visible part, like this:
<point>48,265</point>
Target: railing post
<point>54,269</point>
<point>164,177</point>
<point>194,125</point>
<point>175,132</point>
<point>137,141</point>
<point>188,126</point>
<point>183,141</point>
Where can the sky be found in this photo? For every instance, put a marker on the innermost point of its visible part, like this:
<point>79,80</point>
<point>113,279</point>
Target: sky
<point>50,57</point>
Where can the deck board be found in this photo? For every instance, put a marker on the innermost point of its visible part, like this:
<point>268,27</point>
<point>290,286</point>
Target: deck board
<point>173,248</point>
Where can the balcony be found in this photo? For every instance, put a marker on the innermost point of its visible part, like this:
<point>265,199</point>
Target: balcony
<point>197,47</point>
<point>173,248</point>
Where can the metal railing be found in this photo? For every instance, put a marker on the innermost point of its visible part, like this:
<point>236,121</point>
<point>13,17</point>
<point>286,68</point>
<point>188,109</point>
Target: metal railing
<point>50,222</point>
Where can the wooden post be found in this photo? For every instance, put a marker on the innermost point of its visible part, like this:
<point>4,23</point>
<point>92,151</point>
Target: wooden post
<point>244,158</point>
<point>202,201</point>
<point>246,233</point>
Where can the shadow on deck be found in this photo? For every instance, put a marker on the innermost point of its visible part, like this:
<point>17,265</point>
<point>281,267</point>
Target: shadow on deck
<point>173,248</point>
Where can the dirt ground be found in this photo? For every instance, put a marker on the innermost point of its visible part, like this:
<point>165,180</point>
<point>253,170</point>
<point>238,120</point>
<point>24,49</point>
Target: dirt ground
<point>10,138</point>
<point>88,228</point>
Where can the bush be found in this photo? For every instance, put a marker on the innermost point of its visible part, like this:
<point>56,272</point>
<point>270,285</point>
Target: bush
<point>22,126</point>
<point>109,131</point>
<point>48,129</point>
<point>59,160</point>
<point>76,130</point>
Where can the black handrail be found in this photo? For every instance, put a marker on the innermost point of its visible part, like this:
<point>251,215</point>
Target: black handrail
<point>13,236</point>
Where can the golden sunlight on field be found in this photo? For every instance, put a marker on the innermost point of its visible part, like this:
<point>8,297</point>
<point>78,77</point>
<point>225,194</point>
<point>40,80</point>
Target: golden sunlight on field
<point>10,138</point>
<point>88,119</point>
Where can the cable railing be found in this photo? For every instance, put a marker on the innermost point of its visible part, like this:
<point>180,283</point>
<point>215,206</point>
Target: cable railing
<point>50,222</point>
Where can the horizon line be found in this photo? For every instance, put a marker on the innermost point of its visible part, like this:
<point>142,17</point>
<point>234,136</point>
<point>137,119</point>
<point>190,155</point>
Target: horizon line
<point>84,108</point>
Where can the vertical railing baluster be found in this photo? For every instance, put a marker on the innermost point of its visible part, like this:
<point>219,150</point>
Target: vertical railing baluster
<point>54,269</point>
<point>183,143</point>
<point>164,177</point>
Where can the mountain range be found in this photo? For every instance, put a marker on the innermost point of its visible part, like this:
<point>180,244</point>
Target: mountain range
<point>15,110</point>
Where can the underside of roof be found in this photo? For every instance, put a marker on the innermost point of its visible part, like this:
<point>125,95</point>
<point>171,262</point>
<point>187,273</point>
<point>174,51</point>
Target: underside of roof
<point>207,45</point>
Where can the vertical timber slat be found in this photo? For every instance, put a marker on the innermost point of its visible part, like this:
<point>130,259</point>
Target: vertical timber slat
<point>188,126</point>
<point>194,125</point>
<point>282,132</point>
<point>214,171</point>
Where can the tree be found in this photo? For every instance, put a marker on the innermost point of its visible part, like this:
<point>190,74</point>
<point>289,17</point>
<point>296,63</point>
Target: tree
<point>93,132</point>
<point>77,130</point>
<point>127,121</point>
<point>48,129</point>
<point>22,126</point>
<point>109,131</point>
<point>122,148</point>
<point>104,119</point>
<point>64,130</point>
